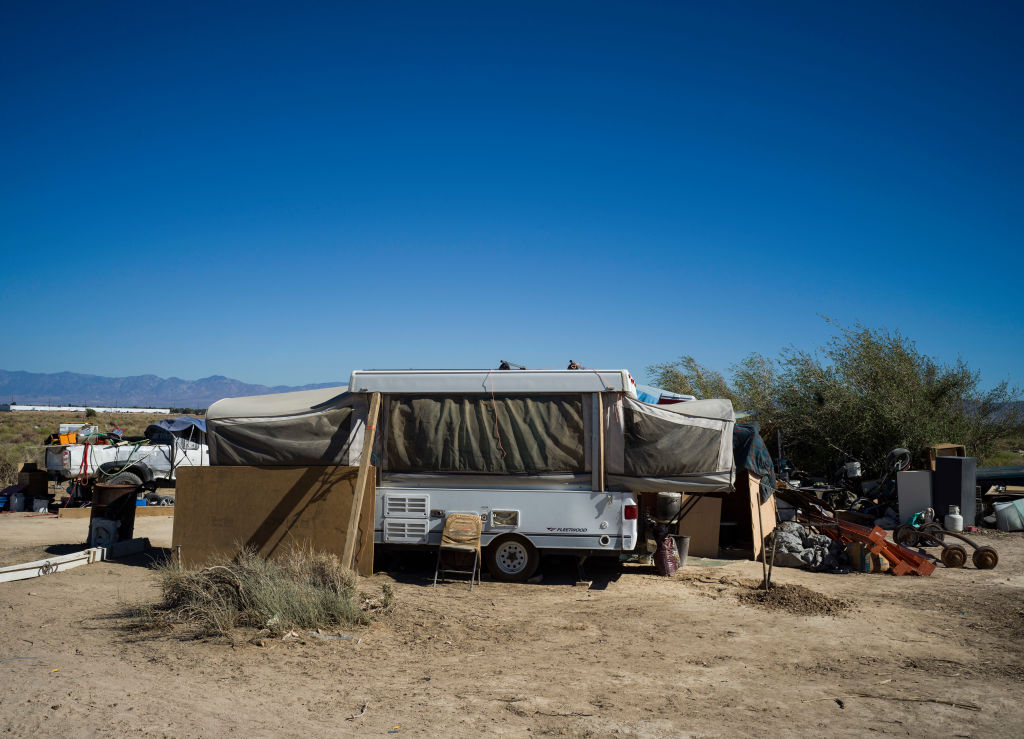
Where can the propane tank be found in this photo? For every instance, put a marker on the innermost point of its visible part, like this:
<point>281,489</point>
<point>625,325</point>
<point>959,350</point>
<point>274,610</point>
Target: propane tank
<point>954,521</point>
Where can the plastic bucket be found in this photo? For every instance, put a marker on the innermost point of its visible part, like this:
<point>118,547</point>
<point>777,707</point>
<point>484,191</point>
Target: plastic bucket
<point>682,548</point>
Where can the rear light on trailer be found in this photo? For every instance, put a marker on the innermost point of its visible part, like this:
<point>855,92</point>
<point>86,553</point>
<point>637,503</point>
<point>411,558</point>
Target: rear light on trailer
<point>631,512</point>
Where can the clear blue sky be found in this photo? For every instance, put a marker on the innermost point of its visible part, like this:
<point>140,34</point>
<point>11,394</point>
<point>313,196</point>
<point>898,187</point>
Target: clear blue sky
<point>285,192</point>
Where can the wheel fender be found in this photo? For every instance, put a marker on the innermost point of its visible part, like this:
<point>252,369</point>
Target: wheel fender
<point>110,469</point>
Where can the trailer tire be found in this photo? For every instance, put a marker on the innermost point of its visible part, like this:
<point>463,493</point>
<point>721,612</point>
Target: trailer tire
<point>124,478</point>
<point>512,558</point>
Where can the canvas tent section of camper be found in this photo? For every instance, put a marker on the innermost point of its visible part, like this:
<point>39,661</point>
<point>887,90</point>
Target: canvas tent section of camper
<point>309,427</point>
<point>433,425</point>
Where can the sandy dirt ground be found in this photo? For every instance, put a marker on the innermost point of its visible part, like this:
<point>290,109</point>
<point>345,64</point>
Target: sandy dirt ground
<point>632,655</point>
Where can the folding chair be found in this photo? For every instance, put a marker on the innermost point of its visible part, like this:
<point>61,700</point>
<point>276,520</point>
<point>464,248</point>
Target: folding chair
<point>461,536</point>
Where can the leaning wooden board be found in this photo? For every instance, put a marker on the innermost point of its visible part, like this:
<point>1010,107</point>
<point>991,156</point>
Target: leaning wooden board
<point>218,510</point>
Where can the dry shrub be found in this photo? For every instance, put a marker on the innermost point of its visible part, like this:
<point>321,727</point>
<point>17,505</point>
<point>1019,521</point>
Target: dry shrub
<point>301,589</point>
<point>9,459</point>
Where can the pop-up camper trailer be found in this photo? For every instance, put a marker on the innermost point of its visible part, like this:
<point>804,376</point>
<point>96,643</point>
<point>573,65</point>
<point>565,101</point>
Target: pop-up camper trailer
<point>551,460</point>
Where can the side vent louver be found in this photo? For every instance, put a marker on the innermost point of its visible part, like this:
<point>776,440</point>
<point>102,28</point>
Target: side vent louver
<point>405,531</point>
<point>406,506</point>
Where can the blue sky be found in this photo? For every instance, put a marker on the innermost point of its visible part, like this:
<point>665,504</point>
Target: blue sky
<point>282,193</point>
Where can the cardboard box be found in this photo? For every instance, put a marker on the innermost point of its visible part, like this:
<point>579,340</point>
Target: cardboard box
<point>34,480</point>
<point>701,521</point>
<point>945,450</point>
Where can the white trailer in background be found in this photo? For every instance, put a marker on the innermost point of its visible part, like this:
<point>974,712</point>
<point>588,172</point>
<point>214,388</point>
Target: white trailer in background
<point>551,460</point>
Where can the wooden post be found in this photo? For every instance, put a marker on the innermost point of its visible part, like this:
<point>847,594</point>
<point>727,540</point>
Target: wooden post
<point>349,553</point>
<point>755,497</point>
<point>600,442</point>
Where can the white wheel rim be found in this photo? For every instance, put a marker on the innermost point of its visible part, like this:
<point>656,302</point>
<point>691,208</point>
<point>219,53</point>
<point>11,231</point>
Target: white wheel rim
<point>512,557</point>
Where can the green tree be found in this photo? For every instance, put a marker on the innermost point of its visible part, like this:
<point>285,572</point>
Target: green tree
<point>865,392</point>
<point>688,377</point>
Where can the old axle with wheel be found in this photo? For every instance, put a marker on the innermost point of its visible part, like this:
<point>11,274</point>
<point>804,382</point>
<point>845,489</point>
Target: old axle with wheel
<point>953,555</point>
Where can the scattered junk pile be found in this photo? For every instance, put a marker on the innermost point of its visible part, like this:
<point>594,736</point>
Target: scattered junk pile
<point>841,524</point>
<point>29,494</point>
<point>84,456</point>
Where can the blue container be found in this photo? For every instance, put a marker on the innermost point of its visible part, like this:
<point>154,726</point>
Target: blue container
<point>4,500</point>
<point>140,502</point>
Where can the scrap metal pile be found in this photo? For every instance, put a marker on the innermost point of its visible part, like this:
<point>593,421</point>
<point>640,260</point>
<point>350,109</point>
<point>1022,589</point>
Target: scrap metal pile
<point>869,545</point>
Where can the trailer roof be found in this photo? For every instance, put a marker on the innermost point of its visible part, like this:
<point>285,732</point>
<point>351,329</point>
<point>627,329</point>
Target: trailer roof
<point>492,381</point>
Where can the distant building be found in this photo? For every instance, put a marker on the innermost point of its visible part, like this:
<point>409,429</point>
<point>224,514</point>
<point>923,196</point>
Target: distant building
<point>79,408</point>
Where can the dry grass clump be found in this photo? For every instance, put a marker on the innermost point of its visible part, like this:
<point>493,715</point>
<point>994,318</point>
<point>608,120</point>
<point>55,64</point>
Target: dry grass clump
<point>300,589</point>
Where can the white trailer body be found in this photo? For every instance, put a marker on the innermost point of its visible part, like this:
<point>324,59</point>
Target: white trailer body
<point>521,515</point>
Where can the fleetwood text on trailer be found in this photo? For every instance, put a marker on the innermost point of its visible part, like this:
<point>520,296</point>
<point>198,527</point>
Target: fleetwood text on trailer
<point>528,461</point>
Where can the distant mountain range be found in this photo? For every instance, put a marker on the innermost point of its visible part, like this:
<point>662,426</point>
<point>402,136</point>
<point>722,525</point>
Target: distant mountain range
<point>143,391</point>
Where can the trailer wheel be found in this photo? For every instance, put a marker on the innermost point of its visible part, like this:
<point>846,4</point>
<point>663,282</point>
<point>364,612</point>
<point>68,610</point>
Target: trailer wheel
<point>512,558</point>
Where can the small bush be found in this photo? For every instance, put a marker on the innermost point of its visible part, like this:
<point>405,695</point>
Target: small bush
<point>301,589</point>
<point>90,413</point>
<point>9,459</point>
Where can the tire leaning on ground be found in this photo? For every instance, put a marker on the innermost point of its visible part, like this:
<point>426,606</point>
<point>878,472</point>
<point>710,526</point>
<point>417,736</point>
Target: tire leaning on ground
<point>511,558</point>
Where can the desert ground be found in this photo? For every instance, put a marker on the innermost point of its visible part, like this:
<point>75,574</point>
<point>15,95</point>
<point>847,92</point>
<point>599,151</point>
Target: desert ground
<point>633,654</point>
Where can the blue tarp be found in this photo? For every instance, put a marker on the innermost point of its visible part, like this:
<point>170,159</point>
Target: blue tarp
<point>181,426</point>
<point>752,455</point>
<point>655,395</point>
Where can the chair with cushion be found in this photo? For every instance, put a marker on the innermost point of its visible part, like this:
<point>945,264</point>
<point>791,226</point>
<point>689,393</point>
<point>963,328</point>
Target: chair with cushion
<point>461,537</point>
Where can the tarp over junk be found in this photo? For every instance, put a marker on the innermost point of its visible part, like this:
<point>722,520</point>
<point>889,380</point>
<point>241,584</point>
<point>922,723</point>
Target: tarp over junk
<point>798,546</point>
<point>752,456</point>
<point>187,427</point>
<point>685,447</point>
<point>308,427</point>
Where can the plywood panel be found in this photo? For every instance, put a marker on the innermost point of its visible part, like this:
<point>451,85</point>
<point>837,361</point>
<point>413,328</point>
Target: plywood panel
<point>701,521</point>
<point>766,512</point>
<point>219,510</point>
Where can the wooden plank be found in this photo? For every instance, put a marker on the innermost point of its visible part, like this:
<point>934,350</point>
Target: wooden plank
<point>701,523</point>
<point>762,515</point>
<point>220,510</point>
<point>147,510</point>
<point>600,442</point>
<point>42,567</point>
<point>348,557</point>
